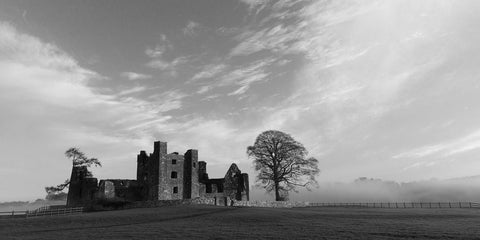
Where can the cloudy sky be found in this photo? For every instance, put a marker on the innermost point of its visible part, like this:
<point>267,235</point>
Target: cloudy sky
<point>381,89</point>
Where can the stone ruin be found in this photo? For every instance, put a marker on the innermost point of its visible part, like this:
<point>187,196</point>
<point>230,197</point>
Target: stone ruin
<point>161,176</point>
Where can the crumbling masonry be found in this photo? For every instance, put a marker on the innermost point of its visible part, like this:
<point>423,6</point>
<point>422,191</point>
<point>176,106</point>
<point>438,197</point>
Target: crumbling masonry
<point>162,176</point>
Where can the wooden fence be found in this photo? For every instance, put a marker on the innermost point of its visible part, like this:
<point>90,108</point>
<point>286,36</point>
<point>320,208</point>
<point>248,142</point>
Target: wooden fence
<point>401,205</point>
<point>43,211</point>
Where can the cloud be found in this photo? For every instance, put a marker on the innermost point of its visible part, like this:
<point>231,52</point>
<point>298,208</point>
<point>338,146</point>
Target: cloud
<point>135,76</point>
<point>364,78</point>
<point>274,39</point>
<point>190,28</point>
<point>168,100</point>
<point>211,97</point>
<point>167,66</point>
<point>245,76</point>
<point>247,81</point>
<point>241,77</point>
<point>49,105</point>
<point>226,31</point>
<point>159,64</point>
<point>163,46</point>
<point>132,90</point>
<point>161,57</point>
<point>283,31</point>
<point>460,145</point>
<point>259,5</point>
<point>203,89</point>
<point>209,71</point>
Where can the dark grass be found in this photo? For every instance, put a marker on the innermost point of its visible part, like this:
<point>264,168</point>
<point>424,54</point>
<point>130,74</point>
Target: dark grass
<point>210,222</point>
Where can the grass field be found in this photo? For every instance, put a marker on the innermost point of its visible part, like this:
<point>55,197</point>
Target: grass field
<point>211,222</point>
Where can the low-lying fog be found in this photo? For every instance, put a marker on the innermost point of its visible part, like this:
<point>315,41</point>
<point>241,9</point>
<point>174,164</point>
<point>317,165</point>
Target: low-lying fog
<point>361,190</point>
<point>376,190</point>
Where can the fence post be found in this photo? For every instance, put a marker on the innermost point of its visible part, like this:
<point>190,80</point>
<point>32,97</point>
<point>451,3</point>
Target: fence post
<point>470,204</point>
<point>460,204</point>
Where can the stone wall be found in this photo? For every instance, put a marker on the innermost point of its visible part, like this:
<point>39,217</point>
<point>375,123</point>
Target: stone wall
<point>279,204</point>
<point>82,187</point>
<point>125,189</point>
<point>164,203</point>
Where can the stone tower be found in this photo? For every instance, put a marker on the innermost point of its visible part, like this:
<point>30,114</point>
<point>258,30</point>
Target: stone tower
<point>82,187</point>
<point>190,175</point>
<point>168,176</point>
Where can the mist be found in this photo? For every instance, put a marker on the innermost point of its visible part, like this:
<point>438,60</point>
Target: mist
<point>376,190</point>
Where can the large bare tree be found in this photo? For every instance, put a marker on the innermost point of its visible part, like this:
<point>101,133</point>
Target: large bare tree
<point>78,159</point>
<point>282,163</point>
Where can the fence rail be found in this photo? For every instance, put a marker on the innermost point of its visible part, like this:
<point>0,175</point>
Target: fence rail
<point>43,211</point>
<point>401,205</point>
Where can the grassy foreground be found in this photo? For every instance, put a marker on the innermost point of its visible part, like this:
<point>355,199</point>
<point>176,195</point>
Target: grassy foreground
<point>211,222</point>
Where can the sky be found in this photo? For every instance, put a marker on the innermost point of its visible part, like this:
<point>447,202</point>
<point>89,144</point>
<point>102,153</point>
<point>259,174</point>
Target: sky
<point>377,89</point>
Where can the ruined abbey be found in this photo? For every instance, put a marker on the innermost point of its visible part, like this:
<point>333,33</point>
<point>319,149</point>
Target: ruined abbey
<point>161,176</point>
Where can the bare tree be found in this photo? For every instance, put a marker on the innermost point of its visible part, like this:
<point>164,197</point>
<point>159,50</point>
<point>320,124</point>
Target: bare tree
<point>282,163</point>
<point>78,159</point>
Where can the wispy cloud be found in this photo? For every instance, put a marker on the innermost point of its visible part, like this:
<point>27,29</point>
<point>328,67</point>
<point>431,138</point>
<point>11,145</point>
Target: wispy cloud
<point>283,31</point>
<point>168,100</point>
<point>159,60</point>
<point>209,71</point>
<point>245,76</point>
<point>204,89</point>
<point>159,63</point>
<point>135,76</point>
<point>255,5</point>
<point>191,28</point>
<point>249,80</point>
<point>163,46</point>
<point>460,145</point>
<point>132,90</point>
<point>241,77</point>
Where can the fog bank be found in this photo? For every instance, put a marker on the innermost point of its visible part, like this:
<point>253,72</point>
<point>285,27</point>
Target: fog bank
<point>377,190</point>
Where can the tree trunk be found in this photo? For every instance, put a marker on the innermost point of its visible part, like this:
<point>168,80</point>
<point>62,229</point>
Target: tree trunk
<point>277,192</point>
